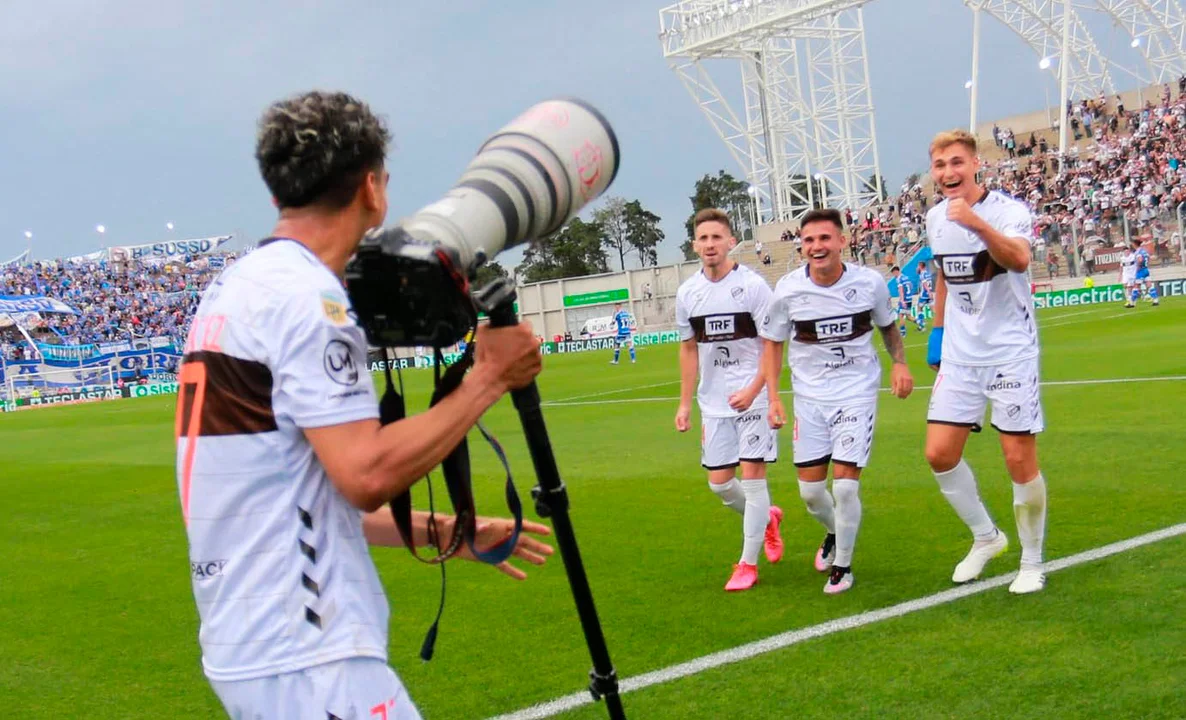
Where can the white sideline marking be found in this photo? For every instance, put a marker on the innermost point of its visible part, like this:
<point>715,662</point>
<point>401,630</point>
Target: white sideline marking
<point>619,390</point>
<point>794,637</point>
<point>1097,381</point>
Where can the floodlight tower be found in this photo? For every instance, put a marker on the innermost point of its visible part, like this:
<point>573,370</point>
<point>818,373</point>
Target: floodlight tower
<point>790,128</point>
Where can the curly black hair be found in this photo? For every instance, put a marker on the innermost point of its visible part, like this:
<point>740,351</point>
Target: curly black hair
<point>315,148</point>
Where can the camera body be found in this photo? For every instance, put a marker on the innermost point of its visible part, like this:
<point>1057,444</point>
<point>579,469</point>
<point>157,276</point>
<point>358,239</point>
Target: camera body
<point>409,284</point>
<point>408,293</point>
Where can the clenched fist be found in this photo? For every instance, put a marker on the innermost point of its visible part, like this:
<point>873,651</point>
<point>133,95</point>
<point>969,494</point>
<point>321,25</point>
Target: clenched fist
<point>959,211</point>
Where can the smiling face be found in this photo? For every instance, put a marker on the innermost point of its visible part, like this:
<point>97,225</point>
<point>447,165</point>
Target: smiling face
<point>954,164</point>
<point>822,245</point>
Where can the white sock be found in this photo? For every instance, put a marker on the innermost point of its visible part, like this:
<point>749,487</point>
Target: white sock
<point>959,487</point>
<point>819,503</point>
<point>848,519</point>
<point>730,494</point>
<point>1029,509</point>
<point>757,516</point>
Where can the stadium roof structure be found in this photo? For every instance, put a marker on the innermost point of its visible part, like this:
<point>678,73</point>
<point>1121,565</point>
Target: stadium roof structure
<point>802,124</point>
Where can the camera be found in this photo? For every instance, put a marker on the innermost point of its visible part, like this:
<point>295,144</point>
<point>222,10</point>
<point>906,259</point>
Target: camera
<point>409,283</point>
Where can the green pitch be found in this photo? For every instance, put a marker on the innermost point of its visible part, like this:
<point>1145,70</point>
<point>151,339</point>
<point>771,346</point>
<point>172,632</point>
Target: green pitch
<point>97,619</point>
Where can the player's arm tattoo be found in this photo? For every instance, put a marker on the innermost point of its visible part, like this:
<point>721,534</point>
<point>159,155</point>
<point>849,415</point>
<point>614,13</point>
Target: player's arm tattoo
<point>893,343</point>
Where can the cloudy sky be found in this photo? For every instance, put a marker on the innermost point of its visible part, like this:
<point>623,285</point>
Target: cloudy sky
<point>135,113</point>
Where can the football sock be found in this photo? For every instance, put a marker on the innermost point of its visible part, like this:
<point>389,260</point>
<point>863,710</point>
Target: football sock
<point>730,494</point>
<point>1136,295</point>
<point>757,515</point>
<point>819,503</point>
<point>1153,293</point>
<point>848,518</point>
<point>959,487</point>
<point>631,353</point>
<point>617,352</point>
<point>1029,508</point>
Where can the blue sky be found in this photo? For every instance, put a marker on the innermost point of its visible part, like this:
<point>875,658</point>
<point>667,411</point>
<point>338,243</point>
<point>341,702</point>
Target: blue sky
<point>134,113</point>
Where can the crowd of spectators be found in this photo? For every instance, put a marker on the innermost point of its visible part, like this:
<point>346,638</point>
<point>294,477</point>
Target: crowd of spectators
<point>1124,177</point>
<point>114,302</point>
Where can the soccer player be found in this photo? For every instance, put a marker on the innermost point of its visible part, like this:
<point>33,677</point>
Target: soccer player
<point>985,346</point>
<point>1141,280</point>
<point>1128,276</point>
<point>282,467</point>
<point>902,293</point>
<point>926,286</point>
<point>716,313</point>
<point>622,322</point>
<point>827,310</point>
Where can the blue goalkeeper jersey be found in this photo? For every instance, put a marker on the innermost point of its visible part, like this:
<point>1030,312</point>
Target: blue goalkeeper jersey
<point>622,320</point>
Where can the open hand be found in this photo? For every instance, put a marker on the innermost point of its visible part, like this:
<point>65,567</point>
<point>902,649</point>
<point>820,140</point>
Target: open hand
<point>492,532</point>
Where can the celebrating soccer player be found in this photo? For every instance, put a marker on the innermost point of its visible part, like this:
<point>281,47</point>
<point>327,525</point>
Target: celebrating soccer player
<point>827,310</point>
<point>716,312</point>
<point>982,242</point>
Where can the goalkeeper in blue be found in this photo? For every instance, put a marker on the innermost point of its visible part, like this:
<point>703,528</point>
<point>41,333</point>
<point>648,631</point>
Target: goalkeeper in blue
<point>622,322</point>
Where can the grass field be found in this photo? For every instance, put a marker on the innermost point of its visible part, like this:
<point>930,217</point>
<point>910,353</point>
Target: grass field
<point>97,619</point>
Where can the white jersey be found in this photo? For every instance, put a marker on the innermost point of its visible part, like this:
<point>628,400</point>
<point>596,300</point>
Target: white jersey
<point>989,313</point>
<point>830,330</point>
<point>1128,266</point>
<point>281,572</point>
<point>722,317</point>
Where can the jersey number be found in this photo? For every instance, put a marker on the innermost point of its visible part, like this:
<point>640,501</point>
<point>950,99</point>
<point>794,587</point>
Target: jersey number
<point>192,381</point>
<point>838,352</point>
<point>967,296</point>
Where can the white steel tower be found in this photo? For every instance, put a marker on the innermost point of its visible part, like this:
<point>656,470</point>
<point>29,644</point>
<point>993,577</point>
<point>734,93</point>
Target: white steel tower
<point>806,108</point>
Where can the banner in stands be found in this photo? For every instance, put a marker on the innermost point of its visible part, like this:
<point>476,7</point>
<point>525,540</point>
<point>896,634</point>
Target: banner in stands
<point>11,304</point>
<point>169,250</point>
<point>126,365</point>
<point>1102,294</point>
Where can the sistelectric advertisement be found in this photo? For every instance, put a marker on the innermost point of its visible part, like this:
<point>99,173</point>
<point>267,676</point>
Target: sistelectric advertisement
<point>1102,294</point>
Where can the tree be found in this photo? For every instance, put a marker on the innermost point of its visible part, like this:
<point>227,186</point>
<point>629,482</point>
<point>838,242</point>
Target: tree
<point>912,180</point>
<point>574,251</point>
<point>488,273</point>
<point>643,232</point>
<point>720,191</point>
<point>630,228</point>
<point>881,192</point>
<point>611,216</point>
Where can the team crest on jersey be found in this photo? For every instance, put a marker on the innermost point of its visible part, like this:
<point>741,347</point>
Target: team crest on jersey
<point>334,308</point>
<point>850,294</point>
<point>737,292</point>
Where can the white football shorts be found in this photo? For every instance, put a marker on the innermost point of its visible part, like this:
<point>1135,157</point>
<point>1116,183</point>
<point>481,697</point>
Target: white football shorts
<point>961,393</point>
<point>840,433</point>
<point>1129,278</point>
<point>725,442</point>
<point>354,689</point>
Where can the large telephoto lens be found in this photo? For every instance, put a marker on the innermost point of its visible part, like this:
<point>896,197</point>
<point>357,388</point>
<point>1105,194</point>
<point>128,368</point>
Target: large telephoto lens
<point>526,181</point>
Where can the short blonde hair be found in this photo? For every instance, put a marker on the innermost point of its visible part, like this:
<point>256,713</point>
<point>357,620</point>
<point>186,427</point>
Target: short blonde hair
<point>951,137</point>
<point>713,215</point>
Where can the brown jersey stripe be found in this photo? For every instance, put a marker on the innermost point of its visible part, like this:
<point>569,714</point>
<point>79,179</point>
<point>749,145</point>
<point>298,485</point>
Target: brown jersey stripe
<point>984,268</point>
<point>743,326</point>
<point>806,331</point>
<point>236,398</point>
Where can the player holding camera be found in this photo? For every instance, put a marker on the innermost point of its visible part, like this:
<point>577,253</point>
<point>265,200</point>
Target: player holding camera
<point>282,466</point>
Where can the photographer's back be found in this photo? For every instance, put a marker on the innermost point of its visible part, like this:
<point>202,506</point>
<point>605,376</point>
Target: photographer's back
<point>281,572</point>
